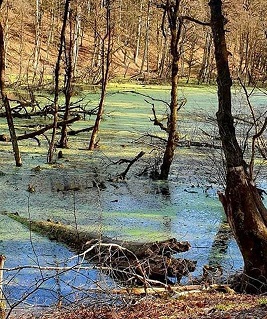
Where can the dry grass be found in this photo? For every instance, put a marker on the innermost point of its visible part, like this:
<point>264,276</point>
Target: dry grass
<point>205,305</point>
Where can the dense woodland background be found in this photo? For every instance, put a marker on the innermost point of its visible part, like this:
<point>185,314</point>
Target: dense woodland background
<point>139,40</point>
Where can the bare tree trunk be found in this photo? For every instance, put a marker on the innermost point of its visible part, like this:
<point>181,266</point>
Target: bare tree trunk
<point>50,39</point>
<point>37,45</point>
<point>204,69</point>
<point>6,33</point>
<point>76,38</point>
<point>63,143</point>
<point>21,46</point>
<point>106,60</point>
<point>175,27</point>
<point>5,100</point>
<point>145,53</point>
<point>164,53</point>
<point>190,60</point>
<point>242,203</point>
<point>96,52</point>
<point>138,34</point>
<point>57,72</point>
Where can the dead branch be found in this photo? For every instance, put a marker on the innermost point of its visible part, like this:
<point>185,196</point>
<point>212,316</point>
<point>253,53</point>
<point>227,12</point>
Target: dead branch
<point>257,137</point>
<point>131,162</point>
<point>187,143</point>
<point>191,19</point>
<point>142,265</point>
<point>147,96</point>
<point>156,121</point>
<point>46,128</point>
<point>46,110</point>
<point>88,129</point>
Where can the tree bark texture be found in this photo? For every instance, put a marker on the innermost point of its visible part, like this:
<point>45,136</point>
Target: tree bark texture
<point>242,203</point>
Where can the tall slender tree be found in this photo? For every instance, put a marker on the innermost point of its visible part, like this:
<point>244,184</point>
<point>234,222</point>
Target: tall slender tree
<point>106,53</point>
<point>57,75</point>
<point>5,100</point>
<point>171,10</point>
<point>68,77</point>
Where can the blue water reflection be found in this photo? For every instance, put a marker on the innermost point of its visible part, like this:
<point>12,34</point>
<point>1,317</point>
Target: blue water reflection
<point>72,281</point>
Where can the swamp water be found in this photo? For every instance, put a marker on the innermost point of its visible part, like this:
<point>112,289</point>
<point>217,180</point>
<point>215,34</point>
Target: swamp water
<point>137,209</point>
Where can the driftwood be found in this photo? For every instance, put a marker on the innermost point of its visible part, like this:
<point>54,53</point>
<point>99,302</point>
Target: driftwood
<point>131,261</point>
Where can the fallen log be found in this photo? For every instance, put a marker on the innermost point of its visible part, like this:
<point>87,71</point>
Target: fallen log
<point>133,262</point>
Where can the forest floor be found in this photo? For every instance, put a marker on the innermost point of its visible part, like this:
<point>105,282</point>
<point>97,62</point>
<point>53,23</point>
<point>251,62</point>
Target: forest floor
<point>212,305</point>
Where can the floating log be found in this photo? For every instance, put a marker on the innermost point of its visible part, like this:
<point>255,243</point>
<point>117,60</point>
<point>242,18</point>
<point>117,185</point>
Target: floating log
<point>128,260</point>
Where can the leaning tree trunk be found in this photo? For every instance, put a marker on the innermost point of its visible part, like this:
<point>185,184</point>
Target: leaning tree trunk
<point>242,203</point>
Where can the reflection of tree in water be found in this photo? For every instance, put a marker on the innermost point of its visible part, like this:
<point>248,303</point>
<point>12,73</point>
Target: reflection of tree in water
<point>161,188</point>
<point>217,253</point>
<point>167,225</point>
<point>164,190</point>
<point>220,244</point>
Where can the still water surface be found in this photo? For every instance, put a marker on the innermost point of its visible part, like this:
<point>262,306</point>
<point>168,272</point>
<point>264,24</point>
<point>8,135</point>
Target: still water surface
<point>186,207</point>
